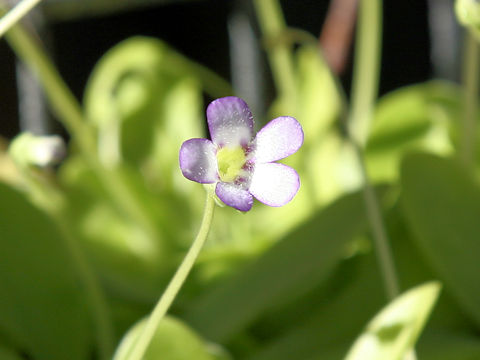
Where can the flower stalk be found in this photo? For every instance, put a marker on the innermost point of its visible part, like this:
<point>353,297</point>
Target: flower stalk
<point>379,233</point>
<point>175,284</point>
<point>59,95</point>
<point>364,93</point>
<point>16,14</point>
<point>470,83</point>
<point>366,67</point>
<point>273,26</point>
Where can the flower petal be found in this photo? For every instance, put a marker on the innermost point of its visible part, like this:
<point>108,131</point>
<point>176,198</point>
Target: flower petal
<point>278,139</point>
<point>198,161</point>
<point>274,184</point>
<point>234,196</point>
<point>230,121</point>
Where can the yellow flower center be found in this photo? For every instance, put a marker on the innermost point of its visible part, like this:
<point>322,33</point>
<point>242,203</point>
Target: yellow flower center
<point>230,162</point>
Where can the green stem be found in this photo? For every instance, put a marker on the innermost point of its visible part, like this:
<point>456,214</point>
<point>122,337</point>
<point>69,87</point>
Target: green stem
<point>14,15</point>
<point>364,93</point>
<point>365,69</point>
<point>380,239</point>
<point>273,26</point>
<point>175,284</point>
<point>59,95</point>
<point>379,234</point>
<point>382,244</point>
<point>470,83</point>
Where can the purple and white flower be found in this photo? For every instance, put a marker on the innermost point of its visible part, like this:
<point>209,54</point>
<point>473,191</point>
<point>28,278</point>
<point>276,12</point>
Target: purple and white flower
<point>243,166</point>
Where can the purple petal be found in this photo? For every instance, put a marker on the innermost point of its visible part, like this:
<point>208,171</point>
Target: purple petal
<point>230,121</point>
<point>274,184</point>
<point>278,139</point>
<point>234,196</point>
<point>198,161</point>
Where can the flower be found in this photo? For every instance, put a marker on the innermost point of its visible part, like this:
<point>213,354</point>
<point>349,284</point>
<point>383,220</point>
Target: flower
<point>42,151</point>
<point>243,166</point>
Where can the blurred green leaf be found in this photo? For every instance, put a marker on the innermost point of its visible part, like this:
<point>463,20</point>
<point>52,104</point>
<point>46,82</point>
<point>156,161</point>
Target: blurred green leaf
<point>132,94</point>
<point>326,322</point>
<point>324,151</point>
<point>173,340</point>
<point>468,14</point>
<point>130,261</point>
<point>120,77</point>
<point>8,354</point>
<point>8,170</point>
<point>318,107</point>
<point>394,331</point>
<point>143,108</point>
<point>145,100</point>
<point>413,117</point>
<point>318,100</point>
<point>41,302</point>
<point>440,345</point>
<point>182,118</point>
<point>441,202</point>
<point>452,344</point>
<point>293,266</point>
<point>413,269</point>
<point>329,319</point>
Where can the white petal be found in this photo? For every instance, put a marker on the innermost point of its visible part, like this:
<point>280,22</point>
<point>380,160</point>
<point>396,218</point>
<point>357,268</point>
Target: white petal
<point>274,184</point>
<point>278,139</point>
<point>230,122</point>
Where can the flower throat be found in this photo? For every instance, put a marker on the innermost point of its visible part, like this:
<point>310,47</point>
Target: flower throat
<point>230,162</point>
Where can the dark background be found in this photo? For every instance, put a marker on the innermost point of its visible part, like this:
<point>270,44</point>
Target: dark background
<point>198,29</point>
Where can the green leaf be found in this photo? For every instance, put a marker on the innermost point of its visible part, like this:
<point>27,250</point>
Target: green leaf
<point>413,269</point>
<point>441,202</point>
<point>327,318</point>
<point>41,304</point>
<point>441,345</point>
<point>181,118</point>
<point>122,77</point>
<point>468,14</point>
<point>293,266</point>
<point>394,331</point>
<point>129,98</point>
<point>414,117</point>
<point>130,261</point>
<point>449,344</point>
<point>317,107</point>
<point>173,340</point>
<point>318,100</point>
<point>8,354</point>
<point>323,152</point>
<point>326,322</point>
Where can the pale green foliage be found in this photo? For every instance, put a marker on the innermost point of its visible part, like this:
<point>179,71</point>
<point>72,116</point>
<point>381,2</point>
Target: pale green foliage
<point>393,332</point>
<point>173,340</point>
